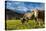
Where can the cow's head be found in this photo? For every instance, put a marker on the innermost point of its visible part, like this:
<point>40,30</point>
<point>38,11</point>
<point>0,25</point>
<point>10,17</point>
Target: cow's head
<point>35,12</point>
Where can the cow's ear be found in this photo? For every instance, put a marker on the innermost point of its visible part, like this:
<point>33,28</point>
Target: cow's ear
<point>33,11</point>
<point>38,12</point>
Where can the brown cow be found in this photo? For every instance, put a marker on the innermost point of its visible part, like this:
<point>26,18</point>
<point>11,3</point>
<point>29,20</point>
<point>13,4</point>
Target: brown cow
<point>26,17</point>
<point>39,15</point>
<point>36,14</point>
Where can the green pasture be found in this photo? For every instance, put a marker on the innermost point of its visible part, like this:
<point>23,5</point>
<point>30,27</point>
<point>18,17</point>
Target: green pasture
<point>17,24</point>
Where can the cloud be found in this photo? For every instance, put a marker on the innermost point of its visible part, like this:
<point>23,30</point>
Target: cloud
<point>13,4</point>
<point>10,5</point>
<point>37,6</point>
<point>16,6</point>
<point>22,7</point>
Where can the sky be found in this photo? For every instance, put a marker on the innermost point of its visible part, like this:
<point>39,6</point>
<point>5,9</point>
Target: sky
<point>22,7</point>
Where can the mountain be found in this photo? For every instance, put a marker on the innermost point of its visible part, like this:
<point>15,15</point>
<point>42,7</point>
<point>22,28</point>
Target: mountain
<point>10,14</point>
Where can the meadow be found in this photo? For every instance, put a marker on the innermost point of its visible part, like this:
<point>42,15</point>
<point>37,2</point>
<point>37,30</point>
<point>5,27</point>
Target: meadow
<point>17,24</point>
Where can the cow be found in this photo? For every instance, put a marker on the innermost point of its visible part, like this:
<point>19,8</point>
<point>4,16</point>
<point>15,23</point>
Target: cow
<point>27,16</point>
<point>37,15</point>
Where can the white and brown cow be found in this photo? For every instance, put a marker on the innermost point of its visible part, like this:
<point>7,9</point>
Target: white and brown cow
<point>27,16</point>
<point>39,16</point>
<point>36,14</point>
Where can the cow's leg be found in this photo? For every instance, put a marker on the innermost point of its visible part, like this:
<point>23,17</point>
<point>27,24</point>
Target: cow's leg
<point>23,20</point>
<point>27,19</point>
<point>35,19</point>
<point>38,22</point>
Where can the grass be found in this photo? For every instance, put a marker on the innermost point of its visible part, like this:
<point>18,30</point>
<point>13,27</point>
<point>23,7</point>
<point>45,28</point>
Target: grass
<point>16,24</point>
